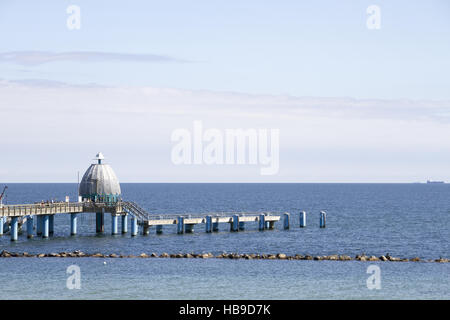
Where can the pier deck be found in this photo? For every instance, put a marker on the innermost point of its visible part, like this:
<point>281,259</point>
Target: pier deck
<point>21,210</point>
<point>12,217</point>
<point>216,218</point>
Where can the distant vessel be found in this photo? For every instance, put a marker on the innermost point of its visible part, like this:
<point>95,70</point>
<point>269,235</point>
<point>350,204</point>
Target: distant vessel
<point>435,182</point>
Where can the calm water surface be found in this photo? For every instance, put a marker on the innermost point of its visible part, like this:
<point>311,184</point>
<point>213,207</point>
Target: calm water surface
<point>406,220</point>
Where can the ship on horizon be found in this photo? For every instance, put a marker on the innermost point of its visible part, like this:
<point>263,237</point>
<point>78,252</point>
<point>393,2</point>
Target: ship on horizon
<point>435,182</point>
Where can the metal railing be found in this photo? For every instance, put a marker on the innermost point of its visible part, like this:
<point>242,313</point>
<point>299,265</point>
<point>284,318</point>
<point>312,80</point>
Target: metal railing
<point>40,208</point>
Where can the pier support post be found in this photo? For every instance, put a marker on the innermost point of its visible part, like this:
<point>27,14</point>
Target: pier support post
<point>262,222</point>
<point>51,224</point>
<point>323,219</point>
<point>45,226</point>
<point>39,225</point>
<point>134,226</point>
<point>99,222</point>
<point>189,228</point>
<point>30,227</point>
<point>2,219</point>
<point>145,230</point>
<point>124,223</point>
<point>73,224</point>
<point>208,224</point>
<point>159,229</point>
<point>215,225</point>
<point>271,225</point>
<point>241,225</point>
<point>114,224</point>
<point>180,225</point>
<point>286,221</point>
<point>235,223</point>
<point>302,219</point>
<point>14,228</point>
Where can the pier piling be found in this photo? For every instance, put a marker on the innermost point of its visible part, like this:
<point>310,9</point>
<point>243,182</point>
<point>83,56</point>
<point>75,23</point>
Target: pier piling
<point>302,219</point>
<point>114,224</point>
<point>286,221</point>
<point>14,228</point>
<point>134,226</point>
<point>2,219</point>
<point>159,229</point>
<point>208,224</point>
<point>73,224</point>
<point>215,225</point>
<point>235,223</point>
<point>30,227</point>
<point>39,225</point>
<point>124,223</point>
<point>99,222</point>
<point>51,224</point>
<point>262,222</point>
<point>241,225</point>
<point>323,219</point>
<point>145,230</point>
<point>180,225</point>
<point>45,226</point>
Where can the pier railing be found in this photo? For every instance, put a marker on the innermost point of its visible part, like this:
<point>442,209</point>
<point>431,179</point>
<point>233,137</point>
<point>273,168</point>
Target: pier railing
<point>156,216</point>
<point>19,210</point>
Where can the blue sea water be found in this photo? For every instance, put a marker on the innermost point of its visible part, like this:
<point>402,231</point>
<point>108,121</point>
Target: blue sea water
<point>406,220</point>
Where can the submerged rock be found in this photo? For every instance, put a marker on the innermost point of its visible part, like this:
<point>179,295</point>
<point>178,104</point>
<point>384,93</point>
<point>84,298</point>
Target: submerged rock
<point>317,258</point>
<point>394,259</point>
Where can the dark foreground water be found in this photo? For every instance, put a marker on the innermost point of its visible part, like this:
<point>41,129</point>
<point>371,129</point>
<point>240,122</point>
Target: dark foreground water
<point>405,220</point>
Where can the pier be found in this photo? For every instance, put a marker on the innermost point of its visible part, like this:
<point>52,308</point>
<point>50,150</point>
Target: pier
<point>39,219</point>
<point>100,194</point>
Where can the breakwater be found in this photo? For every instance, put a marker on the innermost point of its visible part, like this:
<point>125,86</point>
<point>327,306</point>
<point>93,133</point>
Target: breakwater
<point>234,256</point>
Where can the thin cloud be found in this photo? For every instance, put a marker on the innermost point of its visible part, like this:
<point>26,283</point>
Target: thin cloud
<point>37,95</point>
<point>34,58</point>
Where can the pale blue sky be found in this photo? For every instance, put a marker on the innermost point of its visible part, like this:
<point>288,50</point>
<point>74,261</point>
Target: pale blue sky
<point>352,104</point>
<point>301,48</point>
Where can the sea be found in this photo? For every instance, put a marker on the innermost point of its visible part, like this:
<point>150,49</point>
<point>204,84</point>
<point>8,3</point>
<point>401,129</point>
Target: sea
<point>403,220</point>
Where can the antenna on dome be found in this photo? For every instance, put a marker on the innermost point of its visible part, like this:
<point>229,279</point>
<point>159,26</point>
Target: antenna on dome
<point>99,157</point>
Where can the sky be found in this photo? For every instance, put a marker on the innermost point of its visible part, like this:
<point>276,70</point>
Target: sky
<point>352,104</point>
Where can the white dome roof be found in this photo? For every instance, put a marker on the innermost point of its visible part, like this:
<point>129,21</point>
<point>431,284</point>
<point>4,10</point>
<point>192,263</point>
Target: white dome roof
<point>99,179</point>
